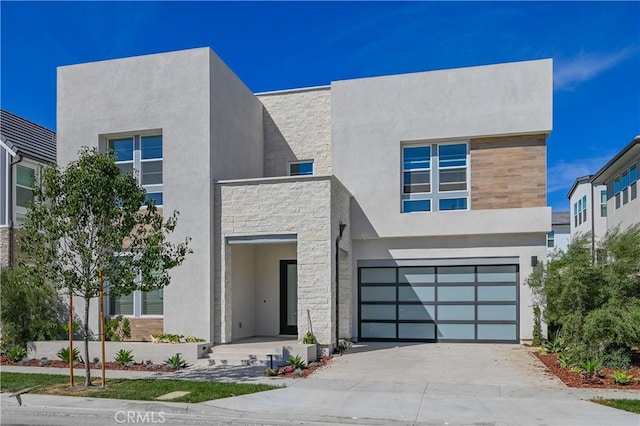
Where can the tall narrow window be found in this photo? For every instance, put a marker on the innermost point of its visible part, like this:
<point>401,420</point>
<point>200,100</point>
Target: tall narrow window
<point>633,181</point>
<point>25,184</point>
<point>603,203</point>
<point>551,239</point>
<point>142,154</point>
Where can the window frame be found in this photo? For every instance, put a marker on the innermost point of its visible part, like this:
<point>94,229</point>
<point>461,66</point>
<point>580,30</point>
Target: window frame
<point>154,190</point>
<point>625,185</point>
<point>292,163</point>
<point>19,212</point>
<point>434,197</point>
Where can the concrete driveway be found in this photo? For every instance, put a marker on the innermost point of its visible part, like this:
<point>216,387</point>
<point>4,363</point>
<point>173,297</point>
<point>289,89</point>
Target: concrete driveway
<point>434,384</point>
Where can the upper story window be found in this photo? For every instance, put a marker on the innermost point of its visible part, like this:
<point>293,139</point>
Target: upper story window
<point>25,184</point>
<point>580,211</point>
<point>603,203</point>
<point>301,168</point>
<point>435,177</point>
<point>551,242</point>
<point>143,154</point>
<point>625,186</point>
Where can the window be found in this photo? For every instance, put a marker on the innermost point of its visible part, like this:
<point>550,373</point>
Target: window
<point>25,184</point>
<point>138,303</point>
<point>551,239</point>
<point>580,211</point>
<point>603,203</point>
<point>301,168</point>
<point>435,177</point>
<point>144,155</point>
<point>625,186</point>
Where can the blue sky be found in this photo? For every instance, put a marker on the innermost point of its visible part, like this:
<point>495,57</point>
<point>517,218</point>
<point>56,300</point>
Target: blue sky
<point>280,45</point>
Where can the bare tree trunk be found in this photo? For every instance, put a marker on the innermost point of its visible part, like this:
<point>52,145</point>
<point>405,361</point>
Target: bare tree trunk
<point>87,366</point>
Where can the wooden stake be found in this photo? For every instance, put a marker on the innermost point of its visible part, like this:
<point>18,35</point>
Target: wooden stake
<point>71,360</point>
<point>102,327</point>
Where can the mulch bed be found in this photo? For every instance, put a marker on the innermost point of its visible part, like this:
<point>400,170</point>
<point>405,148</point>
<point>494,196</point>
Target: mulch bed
<point>577,380</point>
<point>289,371</point>
<point>60,364</point>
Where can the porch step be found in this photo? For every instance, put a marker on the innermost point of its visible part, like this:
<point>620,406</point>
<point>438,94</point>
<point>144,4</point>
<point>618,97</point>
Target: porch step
<point>242,354</point>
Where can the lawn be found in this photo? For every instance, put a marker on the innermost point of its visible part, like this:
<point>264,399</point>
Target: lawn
<point>139,389</point>
<point>632,405</point>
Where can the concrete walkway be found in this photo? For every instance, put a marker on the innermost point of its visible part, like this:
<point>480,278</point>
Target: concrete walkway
<point>402,384</point>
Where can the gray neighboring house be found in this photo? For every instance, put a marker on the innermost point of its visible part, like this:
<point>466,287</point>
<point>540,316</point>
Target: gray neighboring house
<point>404,208</point>
<point>609,198</point>
<point>25,148</point>
<point>560,235</point>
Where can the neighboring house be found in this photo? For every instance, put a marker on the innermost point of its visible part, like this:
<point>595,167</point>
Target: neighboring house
<point>608,199</point>
<point>558,238</point>
<point>406,207</point>
<point>620,177</point>
<point>588,204</point>
<point>25,148</point>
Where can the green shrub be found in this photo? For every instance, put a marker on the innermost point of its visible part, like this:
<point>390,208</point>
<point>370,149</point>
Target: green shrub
<point>63,354</point>
<point>309,338</point>
<point>16,353</point>
<point>176,362</point>
<point>29,307</point>
<point>124,356</point>
<point>296,361</point>
<point>621,378</point>
<point>617,357</point>
<point>117,329</point>
<point>564,360</point>
<point>555,346</point>
<point>537,328</point>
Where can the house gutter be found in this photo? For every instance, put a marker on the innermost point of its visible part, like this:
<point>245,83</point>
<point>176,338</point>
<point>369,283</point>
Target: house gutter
<point>342,226</point>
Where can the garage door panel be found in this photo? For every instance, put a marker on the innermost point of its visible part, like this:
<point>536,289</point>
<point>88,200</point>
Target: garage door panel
<point>497,293</point>
<point>496,331</point>
<point>417,275</point>
<point>378,294</point>
<point>456,274</point>
<point>416,294</point>
<point>375,330</point>
<point>497,273</point>
<point>417,331</point>
<point>456,312</point>
<point>456,294</point>
<point>378,312</point>
<point>497,313</point>
<point>417,312</point>
<point>457,331</point>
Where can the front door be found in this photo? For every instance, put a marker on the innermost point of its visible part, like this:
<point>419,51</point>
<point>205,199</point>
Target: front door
<point>288,297</point>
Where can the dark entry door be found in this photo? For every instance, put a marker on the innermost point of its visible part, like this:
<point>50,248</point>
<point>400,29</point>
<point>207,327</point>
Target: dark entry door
<point>288,297</point>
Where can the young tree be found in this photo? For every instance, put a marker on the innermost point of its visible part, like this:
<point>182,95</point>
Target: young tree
<point>88,218</point>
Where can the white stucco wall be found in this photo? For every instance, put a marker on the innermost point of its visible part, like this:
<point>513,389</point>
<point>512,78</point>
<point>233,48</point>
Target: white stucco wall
<point>595,222</point>
<point>372,117</point>
<point>211,126</point>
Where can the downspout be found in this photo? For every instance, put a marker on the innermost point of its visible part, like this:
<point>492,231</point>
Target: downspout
<point>593,226</point>
<point>342,226</point>
<point>10,205</point>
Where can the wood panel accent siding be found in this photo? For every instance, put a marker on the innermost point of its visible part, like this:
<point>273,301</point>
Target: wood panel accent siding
<point>143,328</point>
<point>508,172</point>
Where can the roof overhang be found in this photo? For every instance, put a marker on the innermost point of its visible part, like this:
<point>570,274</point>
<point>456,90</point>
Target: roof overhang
<point>263,239</point>
<point>8,146</point>
<point>578,181</point>
<point>611,169</point>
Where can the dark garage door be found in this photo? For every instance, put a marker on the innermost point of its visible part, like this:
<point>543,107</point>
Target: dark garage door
<point>439,303</point>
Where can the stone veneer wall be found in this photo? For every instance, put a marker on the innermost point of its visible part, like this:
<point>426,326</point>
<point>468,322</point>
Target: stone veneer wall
<point>508,172</point>
<point>5,240</point>
<point>297,126</point>
<point>143,328</point>
<point>300,206</point>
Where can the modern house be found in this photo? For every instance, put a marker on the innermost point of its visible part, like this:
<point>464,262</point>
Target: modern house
<point>588,203</point>
<point>25,148</point>
<point>560,235</point>
<point>405,207</point>
<point>609,198</point>
<point>620,177</point>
